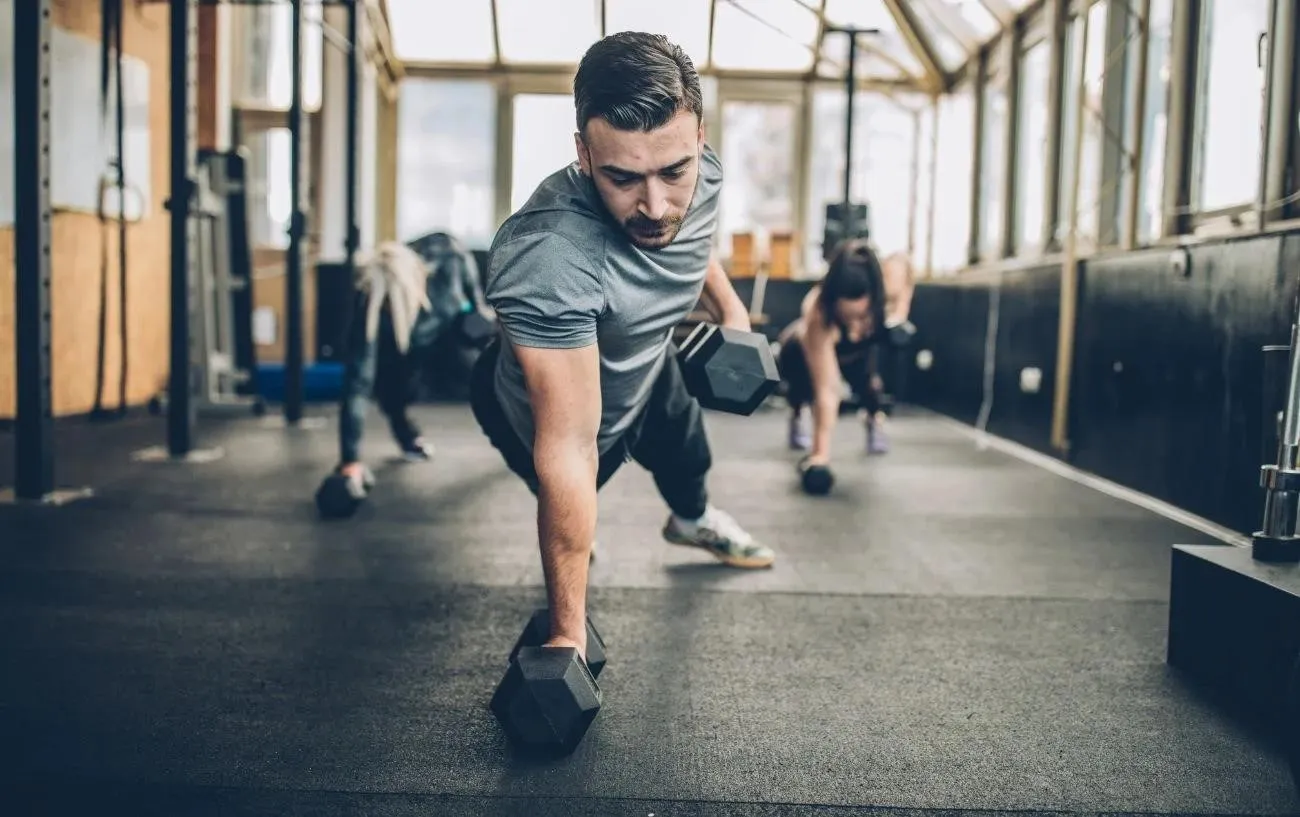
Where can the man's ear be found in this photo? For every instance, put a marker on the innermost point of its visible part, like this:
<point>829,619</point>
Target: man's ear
<point>584,155</point>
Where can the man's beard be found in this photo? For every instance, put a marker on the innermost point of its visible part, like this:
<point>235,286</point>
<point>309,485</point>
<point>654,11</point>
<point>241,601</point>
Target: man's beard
<point>651,233</point>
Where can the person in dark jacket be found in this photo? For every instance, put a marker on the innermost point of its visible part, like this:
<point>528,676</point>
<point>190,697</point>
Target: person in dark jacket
<point>408,298</point>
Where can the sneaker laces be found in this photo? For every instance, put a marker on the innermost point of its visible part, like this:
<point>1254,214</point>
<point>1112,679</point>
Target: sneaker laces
<point>722,523</point>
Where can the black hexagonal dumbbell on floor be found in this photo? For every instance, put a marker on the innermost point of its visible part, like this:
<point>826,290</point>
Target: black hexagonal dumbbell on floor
<point>538,630</point>
<point>339,495</point>
<point>727,369</point>
<point>548,698</point>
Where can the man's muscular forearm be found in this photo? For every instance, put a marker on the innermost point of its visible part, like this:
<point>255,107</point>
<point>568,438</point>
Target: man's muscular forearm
<point>720,299</point>
<point>566,526</point>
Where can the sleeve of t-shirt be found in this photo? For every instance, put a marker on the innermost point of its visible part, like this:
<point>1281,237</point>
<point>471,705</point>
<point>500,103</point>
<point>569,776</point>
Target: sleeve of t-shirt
<point>546,292</point>
<point>708,194</point>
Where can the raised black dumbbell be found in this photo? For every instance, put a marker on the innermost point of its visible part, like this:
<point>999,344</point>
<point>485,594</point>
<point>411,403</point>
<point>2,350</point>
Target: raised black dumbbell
<point>901,333</point>
<point>475,329</point>
<point>547,700</point>
<point>339,495</point>
<point>816,480</point>
<point>538,630</point>
<point>728,370</point>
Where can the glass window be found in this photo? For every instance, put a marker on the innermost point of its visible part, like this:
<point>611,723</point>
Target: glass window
<point>446,158</point>
<point>979,18</point>
<point>924,183</point>
<point>685,22</point>
<point>1090,109</point>
<point>1230,110</point>
<point>757,155</point>
<point>952,54</point>
<point>885,54</point>
<point>993,162</point>
<point>967,21</point>
<point>1151,180</point>
<point>883,155</point>
<point>265,79</point>
<point>954,172</point>
<point>1031,147</point>
<point>557,31</point>
<point>423,32</point>
<point>774,35</point>
<point>268,188</point>
<point>542,142</point>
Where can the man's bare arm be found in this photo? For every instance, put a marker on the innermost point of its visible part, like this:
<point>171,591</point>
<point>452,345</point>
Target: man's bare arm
<point>720,298</point>
<point>564,391</point>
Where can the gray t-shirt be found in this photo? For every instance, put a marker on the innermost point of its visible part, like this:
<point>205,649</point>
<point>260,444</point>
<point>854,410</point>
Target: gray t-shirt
<point>563,275</point>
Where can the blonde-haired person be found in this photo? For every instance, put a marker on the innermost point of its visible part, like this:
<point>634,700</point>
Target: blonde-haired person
<point>407,298</point>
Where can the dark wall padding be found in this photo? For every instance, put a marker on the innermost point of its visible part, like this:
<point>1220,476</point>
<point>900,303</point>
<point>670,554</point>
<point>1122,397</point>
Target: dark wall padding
<point>1169,372</point>
<point>1028,309</point>
<point>951,320</point>
<point>781,300</point>
<point>1167,391</point>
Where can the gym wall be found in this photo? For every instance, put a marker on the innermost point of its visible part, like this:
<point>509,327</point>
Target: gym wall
<point>1167,389</point>
<point>79,240</point>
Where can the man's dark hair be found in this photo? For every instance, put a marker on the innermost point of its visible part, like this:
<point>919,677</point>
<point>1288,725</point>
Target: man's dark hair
<point>636,82</point>
<point>854,271</point>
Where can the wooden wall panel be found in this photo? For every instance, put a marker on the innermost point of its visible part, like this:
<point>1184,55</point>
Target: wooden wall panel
<point>77,254</point>
<point>269,293</point>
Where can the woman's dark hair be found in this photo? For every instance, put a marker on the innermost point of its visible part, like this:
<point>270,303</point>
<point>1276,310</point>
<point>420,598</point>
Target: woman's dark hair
<point>854,271</point>
<point>635,82</point>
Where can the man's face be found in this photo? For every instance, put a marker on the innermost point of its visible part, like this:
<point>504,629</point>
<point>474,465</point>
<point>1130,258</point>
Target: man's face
<point>647,180</point>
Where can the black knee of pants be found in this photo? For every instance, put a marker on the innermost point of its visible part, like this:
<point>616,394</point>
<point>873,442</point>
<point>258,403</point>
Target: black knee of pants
<point>668,438</point>
<point>793,369</point>
<point>857,373</point>
<point>496,426</point>
<point>670,441</point>
<point>395,386</point>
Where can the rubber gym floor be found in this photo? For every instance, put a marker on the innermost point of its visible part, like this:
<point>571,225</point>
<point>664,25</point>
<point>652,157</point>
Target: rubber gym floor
<point>955,630</point>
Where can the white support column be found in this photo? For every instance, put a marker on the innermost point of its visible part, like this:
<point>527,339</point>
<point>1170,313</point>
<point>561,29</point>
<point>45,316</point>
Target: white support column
<point>333,181</point>
<point>368,151</point>
<point>223,130</point>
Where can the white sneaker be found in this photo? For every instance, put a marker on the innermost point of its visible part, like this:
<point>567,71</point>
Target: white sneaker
<point>721,535</point>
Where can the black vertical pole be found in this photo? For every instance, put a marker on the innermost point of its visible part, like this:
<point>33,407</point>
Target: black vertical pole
<point>34,440</point>
<point>352,238</point>
<point>180,406</point>
<point>850,85</point>
<point>293,352</point>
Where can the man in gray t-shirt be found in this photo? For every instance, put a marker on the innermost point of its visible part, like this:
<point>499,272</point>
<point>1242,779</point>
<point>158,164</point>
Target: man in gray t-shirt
<point>588,279</point>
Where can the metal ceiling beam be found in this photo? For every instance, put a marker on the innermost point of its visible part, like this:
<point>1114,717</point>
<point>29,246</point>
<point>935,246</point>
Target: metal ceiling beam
<point>713,17</point>
<point>496,35</point>
<point>824,23</point>
<point>820,41</point>
<point>921,46</point>
<point>433,70</point>
<point>951,20</point>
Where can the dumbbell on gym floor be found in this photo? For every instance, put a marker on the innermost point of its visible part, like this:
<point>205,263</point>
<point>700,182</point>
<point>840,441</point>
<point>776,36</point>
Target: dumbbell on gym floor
<point>538,630</point>
<point>339,495</point>
<point>728,370</point>
<point>816,480</point>
<point>549,698</point>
